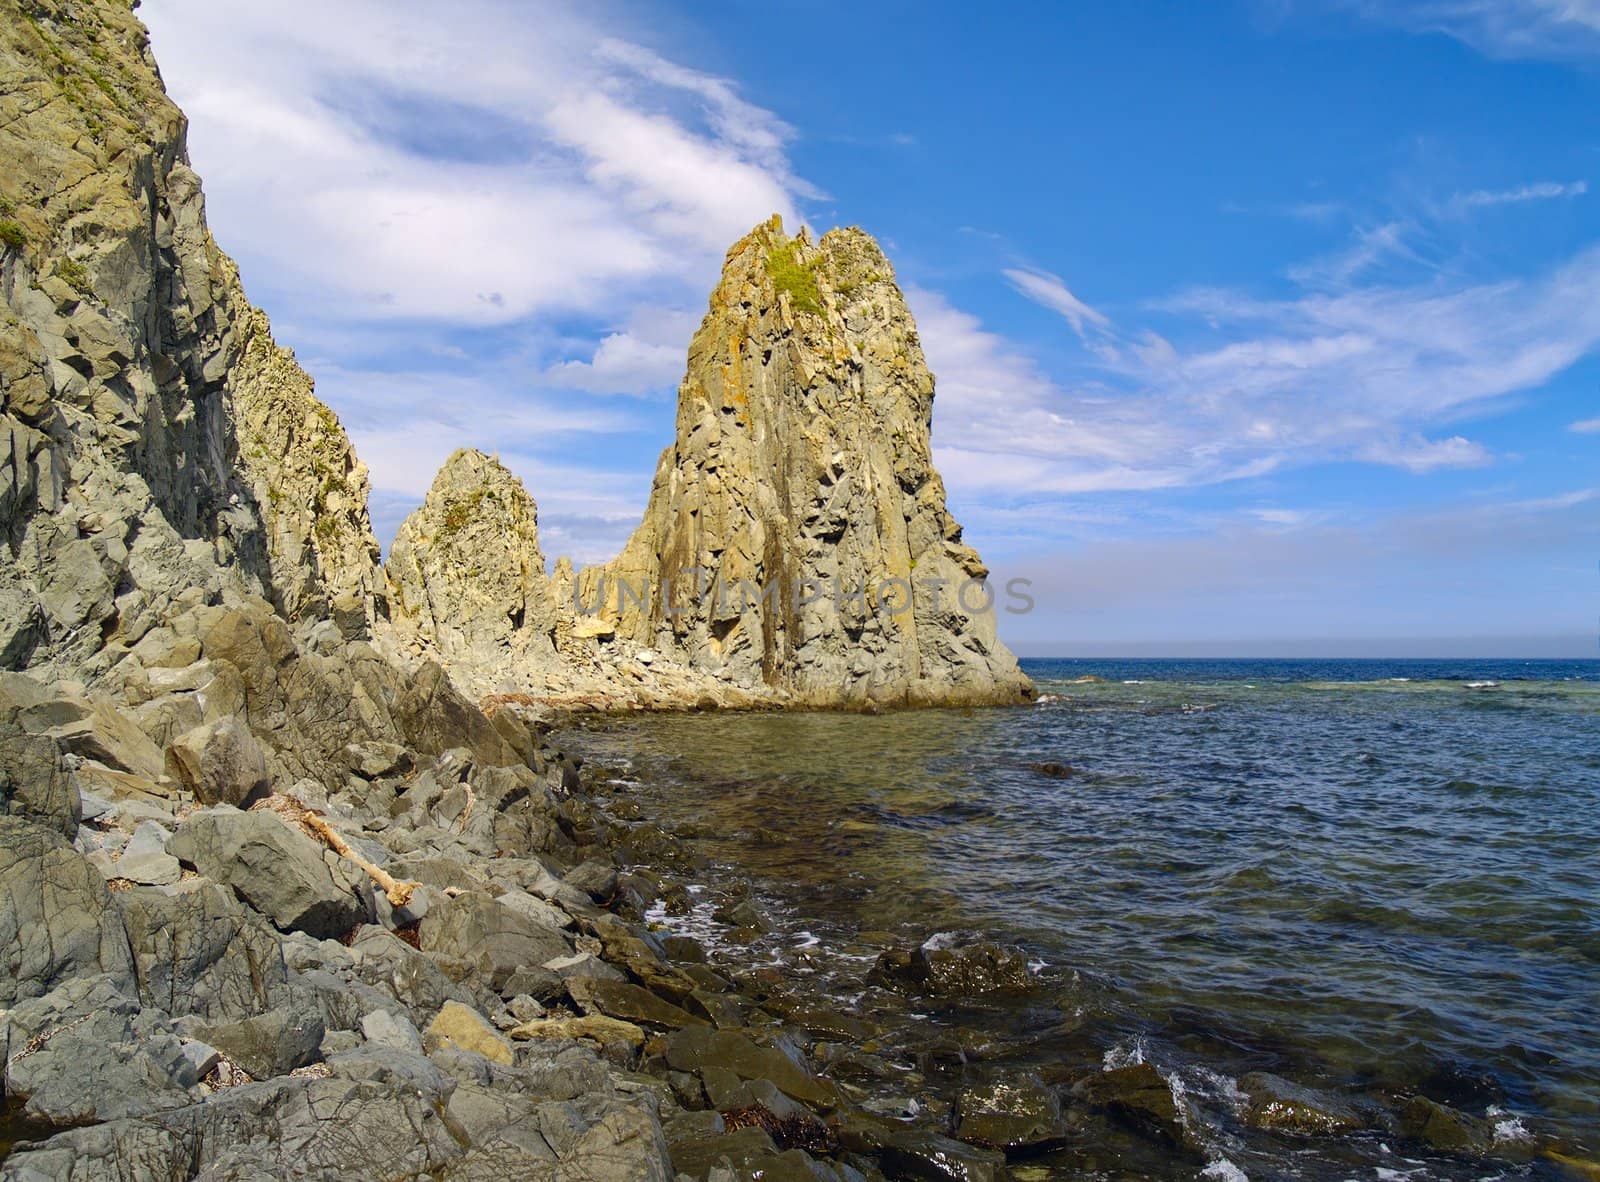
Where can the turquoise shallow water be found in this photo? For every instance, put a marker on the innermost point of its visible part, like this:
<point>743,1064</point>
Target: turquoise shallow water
<point>1379,878</point>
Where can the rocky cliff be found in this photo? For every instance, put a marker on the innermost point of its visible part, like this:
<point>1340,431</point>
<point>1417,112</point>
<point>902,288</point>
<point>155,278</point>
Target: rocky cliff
<point>796,537</point>
<point>157,448</point>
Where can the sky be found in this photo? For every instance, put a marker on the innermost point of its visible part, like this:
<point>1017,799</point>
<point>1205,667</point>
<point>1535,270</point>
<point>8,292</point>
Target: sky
<point>1259,327</point>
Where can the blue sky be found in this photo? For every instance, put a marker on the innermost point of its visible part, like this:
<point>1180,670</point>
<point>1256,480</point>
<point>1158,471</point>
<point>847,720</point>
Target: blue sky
<point>1268,326</point>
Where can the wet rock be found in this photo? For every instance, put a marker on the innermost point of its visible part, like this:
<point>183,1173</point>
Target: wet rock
<point>275,869</point>
<point>1011,1116</point>
<point>1053,770</point>
<point>57,919</point>
<point>970,970</point>
<point>620,1000</point>
<point>494,939</point>
<point>271,1044</point>
<point>698,1048</point>
<point>1276,1103</point>
<point>202,952</point>
<point>1138,1094</point>
<point>465,1028</point>
<point>928,1157</point>
<point>220,762</point>
<point>1444,1128</point>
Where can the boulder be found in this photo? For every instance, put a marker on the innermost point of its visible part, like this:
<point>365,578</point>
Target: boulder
<point>970,970</point>
<point>275,869</point>
<point>269,1044</point>
<point>1275,1103</point>
<point>33,783</point>
<point>434,717</point>
<point>618,999</point>
<point>698,1048</point>
<point>386,1028</point>
<point>456,1025</point>
<point>145,860</point>
<point>1012,1116</point>
<point>491,937</point>
<point>57,919</point>
<point>202,952</point>
<point>85,1052</point>
<point>220,762</point>
<point>1444,1128</point>
<point>1138,1094</point>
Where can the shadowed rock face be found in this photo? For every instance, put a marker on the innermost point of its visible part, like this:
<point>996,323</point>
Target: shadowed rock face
<point>157,448</point>
<point>802,463</point>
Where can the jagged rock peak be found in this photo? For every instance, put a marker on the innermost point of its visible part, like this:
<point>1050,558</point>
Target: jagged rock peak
<point>802,477</point>
<point>466,575</point>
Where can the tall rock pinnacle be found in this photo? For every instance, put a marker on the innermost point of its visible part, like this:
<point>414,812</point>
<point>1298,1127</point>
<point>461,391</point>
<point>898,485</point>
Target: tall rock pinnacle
<point>796,536</point>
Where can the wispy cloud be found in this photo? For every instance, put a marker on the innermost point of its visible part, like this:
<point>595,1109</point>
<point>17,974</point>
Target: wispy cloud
<point>1557,29</point>
<point>1585,427</point>
<point>1361,371</point>
<point>1543,191</point>
<point>1049,291</point>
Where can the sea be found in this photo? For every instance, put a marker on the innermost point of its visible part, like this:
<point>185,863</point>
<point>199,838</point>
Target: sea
<point>1376,879</point>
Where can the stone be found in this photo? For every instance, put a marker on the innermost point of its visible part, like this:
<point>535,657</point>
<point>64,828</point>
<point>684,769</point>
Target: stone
<point>202,952</point>
<point>109,736</point>
<point>930,1157</point>
<point>494,939</point>
<point>1139,1094</point>
<point>970,970</point>
<point>277,870</point>
<point>434,717</point>
<point>33,783</point>
<point>220,762</point>
<point>374,759</point>
<point>598,1028</point>
<point>269,1044</point>
<point>87,1053</point>
<point>1444,1128</point>
<point>57,919</point>
<point>1011,1116</point>
<point>387,1029</point>
<point>145,859</point>
<point>697,1048</point>
<point>461,1026</point>
<point>618,999</point>
<point>1275,1103</point>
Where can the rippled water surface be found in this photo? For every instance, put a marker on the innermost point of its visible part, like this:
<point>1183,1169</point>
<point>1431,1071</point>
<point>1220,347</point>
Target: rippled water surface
<point>1374,877</point>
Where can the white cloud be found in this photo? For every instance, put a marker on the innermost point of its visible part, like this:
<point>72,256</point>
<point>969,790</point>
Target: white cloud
<point>476,162</point>
<point>1352,373</point>
<point>1559,29</point>
<point>1049,291</point>
<point>1543,191</point>
<point>1427,455</point>
<point>1585,427</point>
<point>622,364</point>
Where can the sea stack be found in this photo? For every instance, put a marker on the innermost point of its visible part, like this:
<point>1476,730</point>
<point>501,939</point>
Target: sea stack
<point>796,537</point>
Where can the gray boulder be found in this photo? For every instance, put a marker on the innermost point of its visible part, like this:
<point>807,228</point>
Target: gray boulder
<point>145,860</point>
<point>491,937</point>
<point>57,919</point>
<point>275,869</point>
<point>202,952</point>
<point>270,1044</point>
<point>85,1052</point>
<point>33,783</point>
<point>220,762</point>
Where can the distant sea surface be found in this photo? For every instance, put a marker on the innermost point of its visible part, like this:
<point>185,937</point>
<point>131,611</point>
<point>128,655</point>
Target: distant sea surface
<point>1379,878</point>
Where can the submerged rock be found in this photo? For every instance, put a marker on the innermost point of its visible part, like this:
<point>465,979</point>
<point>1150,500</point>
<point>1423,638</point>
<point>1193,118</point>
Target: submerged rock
<point>969,970</point>
<point>1276,1103</point>
<point>1011,1116</point>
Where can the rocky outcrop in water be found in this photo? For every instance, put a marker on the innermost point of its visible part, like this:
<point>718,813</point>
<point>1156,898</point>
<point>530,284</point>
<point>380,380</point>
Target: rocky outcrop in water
<point>797,537</point>
<point>796,549</point>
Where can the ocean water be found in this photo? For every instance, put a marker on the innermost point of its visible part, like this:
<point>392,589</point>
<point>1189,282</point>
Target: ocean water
<point>1376,878</point>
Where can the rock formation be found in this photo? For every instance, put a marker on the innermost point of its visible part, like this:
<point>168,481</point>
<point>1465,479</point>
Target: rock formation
<point>157,447</point>
<point>796,536</point>
<point>796,549</point>
<point>466,573</point>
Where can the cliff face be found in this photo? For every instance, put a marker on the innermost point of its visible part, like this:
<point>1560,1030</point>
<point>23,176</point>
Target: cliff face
<point>157,448</point>
<point>797,537</point>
